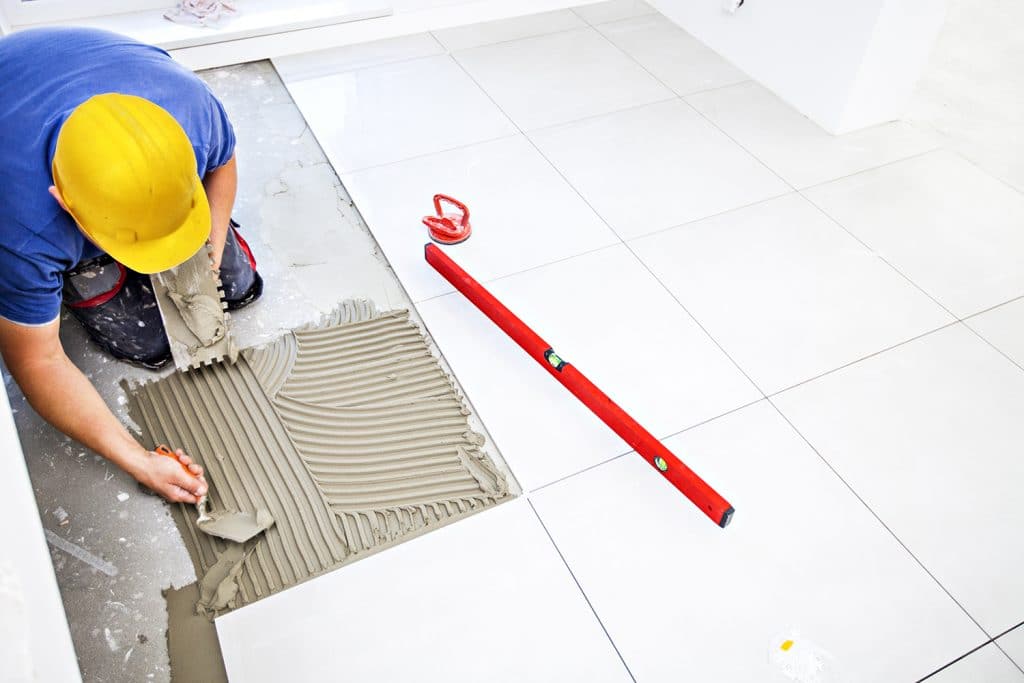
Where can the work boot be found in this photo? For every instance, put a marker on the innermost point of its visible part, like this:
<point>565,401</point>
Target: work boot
<point>117,308</point>
<point>241,283</point>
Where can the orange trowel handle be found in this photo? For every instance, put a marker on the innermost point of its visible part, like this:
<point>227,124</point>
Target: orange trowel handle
<point>164,450</point>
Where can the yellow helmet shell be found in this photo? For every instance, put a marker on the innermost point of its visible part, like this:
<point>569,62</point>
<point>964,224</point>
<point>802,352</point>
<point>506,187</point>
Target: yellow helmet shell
<point>127,173</point>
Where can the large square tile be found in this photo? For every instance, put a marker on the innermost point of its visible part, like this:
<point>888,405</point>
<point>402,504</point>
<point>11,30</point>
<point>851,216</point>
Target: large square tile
<point>797,148</point>
<point>306,65</point>
<point>486,598</point>
<point>523,213</point>
<point>676,58</point>
<point>951,228</point>
<point>1004,327</point>
<point>1013,644</point>
<point>475,35</point>
<point>604,313</point>
<point>368,117</point>
<point>656,167</point>
<point>613,10</point>
<point>562,77</point>
<point>785,291</point>
<point>929,434</point>
<point>987,665</point>
<point>803,560</point>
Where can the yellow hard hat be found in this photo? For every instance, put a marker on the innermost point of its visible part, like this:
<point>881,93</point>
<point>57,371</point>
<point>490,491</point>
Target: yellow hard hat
<point>127,174</point>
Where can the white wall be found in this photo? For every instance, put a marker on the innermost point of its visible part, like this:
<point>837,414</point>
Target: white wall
<point>5,27</point>
<point>846,64</point>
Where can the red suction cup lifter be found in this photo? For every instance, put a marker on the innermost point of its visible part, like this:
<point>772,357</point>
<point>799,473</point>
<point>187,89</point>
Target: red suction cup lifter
<point>448,227</point>
<point>643,442</point>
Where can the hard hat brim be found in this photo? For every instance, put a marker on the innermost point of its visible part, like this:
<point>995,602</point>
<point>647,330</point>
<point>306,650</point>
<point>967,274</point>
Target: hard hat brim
<point>158,255</point>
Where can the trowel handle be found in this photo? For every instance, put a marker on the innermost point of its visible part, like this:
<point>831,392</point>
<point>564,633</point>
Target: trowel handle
<point>164,450</point>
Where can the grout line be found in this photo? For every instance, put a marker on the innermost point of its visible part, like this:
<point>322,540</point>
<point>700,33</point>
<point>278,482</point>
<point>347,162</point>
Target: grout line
<point>877,517</point>
<point>992,308</point>
<point>949,664</point>
<point>994,347</point>
<point>660,438</point>
<point>892,162</point>
<point>612,21</point>
<point>951,323</point>
<point>580,587</point>
<point>505,41</point>
<point>374,167</point>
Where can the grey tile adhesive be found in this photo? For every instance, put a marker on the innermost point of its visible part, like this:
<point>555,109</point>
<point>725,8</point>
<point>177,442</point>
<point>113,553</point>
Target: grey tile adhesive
<point>349,435</point>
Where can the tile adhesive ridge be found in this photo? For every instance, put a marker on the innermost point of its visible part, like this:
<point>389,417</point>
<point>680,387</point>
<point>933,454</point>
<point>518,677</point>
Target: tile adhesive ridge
<point>348,434</point>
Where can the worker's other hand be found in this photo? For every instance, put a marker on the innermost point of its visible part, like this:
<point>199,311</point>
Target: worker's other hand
<point>167,477</point>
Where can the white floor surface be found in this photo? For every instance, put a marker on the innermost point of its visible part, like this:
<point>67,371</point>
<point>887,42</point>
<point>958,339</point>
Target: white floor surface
<point>829,330</point>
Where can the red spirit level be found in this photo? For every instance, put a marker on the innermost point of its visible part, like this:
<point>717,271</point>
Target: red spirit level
<point>639,439</point>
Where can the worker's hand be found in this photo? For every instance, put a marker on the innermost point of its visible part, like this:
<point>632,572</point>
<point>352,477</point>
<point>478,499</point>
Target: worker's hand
<point>167,477</point>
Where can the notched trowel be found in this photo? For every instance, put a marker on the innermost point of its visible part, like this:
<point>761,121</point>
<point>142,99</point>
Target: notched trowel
<point>194,313</point>
<point>227,524</point>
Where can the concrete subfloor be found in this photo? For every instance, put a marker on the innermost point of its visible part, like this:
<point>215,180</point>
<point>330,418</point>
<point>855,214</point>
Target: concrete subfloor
<point>313,250</point>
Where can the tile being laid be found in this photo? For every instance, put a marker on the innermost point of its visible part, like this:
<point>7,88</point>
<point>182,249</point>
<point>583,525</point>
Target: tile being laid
<point>382,114</point>
<point>797,148</point>
<point>951,228</point>
<point>523,213</point>
<point>607,315</point>
<point>803,561</point>
<point>306,65</point>
<point>545,80</point>
<point>1003,327</point>
<point>787,292</point>
<point>929,435</point>
<point>987,665</point>
<point>675,57</point>
<point>485,599</point>
<point>475,35</point>
<point>655,167</point>
<point>613,10</point>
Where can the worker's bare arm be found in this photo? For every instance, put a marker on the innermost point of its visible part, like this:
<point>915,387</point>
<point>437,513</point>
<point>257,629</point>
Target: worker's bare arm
<point>65,398</point>
<point>221,184</point>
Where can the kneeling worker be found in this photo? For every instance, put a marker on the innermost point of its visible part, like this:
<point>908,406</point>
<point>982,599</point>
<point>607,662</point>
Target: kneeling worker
<point>115,162</point>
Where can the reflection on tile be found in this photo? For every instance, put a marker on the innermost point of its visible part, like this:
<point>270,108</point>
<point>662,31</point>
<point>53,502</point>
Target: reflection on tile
<point>613,10</point>
<point>797,148</point>
<point>489,594</point>
<point>604,313</point>
<point>383,114</point>
<point>475,35</point>
<point>786,292</point>
<point>803,560</point>
<point>929,435</point>
<point>654,167</point>
<point>523,213</point>
<point>308,65</point>
<point>676,58</point>
<point>987,665</point>
<point>1003,327</point>
<point>561,77</point>
<point>946,225</point>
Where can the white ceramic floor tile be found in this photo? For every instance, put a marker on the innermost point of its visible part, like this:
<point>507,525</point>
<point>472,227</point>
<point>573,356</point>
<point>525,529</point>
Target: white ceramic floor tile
<point>951,228</point>
<point>562,77</point>
<point>1013,644</point>
<point>383,114</point>
<point>1004,327</point>
<point>475,35</point>
<point>613,10</point>
<point>655,167</point>
<point>676,58</point>
<point>797,148</point>
<point>803,560</point>
<point>604,313</point>
<point>306,65</point>
<point>786,292</point>
<point>987,665</point>
<point>487,598</point>
<point>929,434</point>
<point>523,213</point>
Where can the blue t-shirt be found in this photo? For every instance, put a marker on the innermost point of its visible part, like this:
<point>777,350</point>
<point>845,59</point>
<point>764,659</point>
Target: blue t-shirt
<point>44,75</point>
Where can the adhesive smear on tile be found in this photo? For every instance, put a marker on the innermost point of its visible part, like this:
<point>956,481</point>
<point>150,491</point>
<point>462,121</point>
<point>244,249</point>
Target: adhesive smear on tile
<point>348,434</point>
<point>800,660</point>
